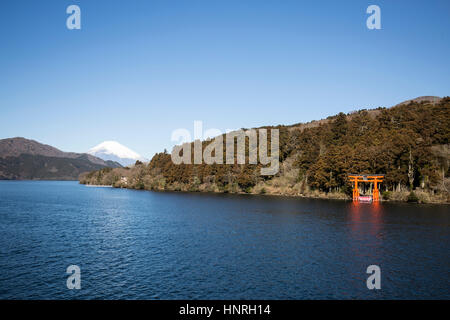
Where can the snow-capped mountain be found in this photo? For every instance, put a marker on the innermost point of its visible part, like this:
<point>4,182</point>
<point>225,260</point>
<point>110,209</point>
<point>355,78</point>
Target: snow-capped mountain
<point>112,150</point>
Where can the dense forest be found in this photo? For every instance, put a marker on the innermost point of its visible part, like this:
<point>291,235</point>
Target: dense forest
<point>409,143</point>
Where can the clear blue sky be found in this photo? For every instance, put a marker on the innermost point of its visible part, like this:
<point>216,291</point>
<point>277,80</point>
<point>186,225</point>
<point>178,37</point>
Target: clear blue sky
<point>139,69</point>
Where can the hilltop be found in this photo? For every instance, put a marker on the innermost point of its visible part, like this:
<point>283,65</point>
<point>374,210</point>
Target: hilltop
<point>114,151</point>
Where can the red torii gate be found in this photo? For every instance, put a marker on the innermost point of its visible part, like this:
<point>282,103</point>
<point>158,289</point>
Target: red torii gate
<point>374,178</point>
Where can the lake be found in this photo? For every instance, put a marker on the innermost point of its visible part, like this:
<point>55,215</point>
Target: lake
<point>152,245</point>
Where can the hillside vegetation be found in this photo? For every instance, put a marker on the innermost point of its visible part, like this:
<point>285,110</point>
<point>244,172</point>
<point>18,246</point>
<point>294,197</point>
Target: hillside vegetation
<point>409,143</point>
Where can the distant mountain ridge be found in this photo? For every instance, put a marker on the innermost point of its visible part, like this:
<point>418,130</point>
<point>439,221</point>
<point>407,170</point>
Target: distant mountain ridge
<point>114,151</point>
<point>24,159</point>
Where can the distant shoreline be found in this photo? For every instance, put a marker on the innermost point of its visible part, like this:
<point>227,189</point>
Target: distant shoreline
<point>38,180</point>
<point>266,195</point>
<point>97,186</point>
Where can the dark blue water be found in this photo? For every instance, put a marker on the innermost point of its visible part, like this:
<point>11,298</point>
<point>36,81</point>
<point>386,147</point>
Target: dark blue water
<point>146,245</point>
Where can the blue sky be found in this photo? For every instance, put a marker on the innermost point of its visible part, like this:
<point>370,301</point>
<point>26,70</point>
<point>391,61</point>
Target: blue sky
<point>137,70</point>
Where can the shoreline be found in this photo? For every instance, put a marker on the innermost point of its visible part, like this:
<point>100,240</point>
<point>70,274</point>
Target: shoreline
<point>39,180</point>
<point>265,194</point>
<point>97,186</point>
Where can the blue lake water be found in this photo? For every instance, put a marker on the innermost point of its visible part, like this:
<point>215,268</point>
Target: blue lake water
<point>148,245</point>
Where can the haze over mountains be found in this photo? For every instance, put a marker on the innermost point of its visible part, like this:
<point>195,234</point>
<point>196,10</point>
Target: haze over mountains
<point>24,159</point>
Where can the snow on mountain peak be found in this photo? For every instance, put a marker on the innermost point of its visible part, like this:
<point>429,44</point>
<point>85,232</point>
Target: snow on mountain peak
<point>113,150</point>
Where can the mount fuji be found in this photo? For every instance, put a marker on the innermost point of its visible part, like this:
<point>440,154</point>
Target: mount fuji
<point>113,150</point>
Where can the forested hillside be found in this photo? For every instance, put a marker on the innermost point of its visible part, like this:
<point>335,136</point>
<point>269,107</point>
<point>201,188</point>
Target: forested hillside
<point>409,143</point>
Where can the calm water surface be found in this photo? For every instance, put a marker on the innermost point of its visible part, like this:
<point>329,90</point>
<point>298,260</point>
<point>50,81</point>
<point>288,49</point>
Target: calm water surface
<point>147,245</point>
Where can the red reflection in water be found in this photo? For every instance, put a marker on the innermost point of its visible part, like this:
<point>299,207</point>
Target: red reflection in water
<point>366,218</point>
<point>376,215</point>
<point>355,219</point>
<point>365,236</point>
<point>355,208</point>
